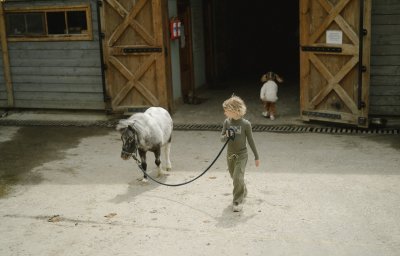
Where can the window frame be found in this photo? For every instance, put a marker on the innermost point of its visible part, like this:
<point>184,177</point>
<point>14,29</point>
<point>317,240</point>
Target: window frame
<point>53,37</point>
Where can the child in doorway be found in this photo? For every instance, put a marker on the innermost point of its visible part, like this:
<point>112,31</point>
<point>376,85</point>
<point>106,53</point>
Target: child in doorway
<point>239,131</point>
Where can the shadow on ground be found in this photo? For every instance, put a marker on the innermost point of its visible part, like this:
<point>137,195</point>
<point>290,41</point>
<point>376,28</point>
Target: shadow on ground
<point>33,146</point>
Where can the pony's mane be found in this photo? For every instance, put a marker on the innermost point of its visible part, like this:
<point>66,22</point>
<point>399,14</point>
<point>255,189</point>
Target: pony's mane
<point>122,124</point>
<point>137,121</point>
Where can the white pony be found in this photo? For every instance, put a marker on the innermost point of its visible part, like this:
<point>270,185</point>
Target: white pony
<point>148,131</point>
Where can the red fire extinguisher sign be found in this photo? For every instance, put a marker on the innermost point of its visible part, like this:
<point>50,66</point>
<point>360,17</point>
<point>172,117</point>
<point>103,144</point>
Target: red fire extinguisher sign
<point>175,28</point>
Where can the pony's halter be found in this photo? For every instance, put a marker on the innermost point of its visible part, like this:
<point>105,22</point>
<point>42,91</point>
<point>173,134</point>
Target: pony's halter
<point>131,138</point>
<point>126,152</point>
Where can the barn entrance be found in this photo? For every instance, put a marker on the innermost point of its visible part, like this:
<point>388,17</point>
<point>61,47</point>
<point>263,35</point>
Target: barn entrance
<point>245,39</point>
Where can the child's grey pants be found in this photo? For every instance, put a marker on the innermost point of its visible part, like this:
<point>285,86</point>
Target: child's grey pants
<point>236,166</point>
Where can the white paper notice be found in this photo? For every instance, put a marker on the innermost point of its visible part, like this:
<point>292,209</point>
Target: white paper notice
<point>334,37</point>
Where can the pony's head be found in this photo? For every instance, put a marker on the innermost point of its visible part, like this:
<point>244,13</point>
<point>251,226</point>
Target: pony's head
<point>129,139</point>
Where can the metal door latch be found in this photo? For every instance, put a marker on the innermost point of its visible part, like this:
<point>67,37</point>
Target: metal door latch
<point>142,50</point>
<point>321,49</point>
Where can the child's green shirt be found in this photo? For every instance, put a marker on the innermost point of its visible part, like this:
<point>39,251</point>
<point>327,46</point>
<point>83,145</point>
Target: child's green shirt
<point>243,133</point>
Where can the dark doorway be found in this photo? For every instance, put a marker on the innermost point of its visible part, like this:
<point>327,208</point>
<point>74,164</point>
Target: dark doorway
<point>186,51</point>
<point>248,38</point>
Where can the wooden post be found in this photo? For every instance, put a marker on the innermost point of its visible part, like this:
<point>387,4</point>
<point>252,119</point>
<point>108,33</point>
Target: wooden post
<point>366,57</point>
<point>6,59</point>
<point>304,63</point>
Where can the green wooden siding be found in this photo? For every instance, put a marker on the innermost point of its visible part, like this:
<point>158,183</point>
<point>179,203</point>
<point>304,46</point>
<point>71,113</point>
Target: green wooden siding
<point>385,58</point>
<point>59,75</point>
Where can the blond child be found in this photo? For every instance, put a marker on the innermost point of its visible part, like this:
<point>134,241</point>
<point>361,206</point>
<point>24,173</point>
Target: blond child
<point>234,110</point>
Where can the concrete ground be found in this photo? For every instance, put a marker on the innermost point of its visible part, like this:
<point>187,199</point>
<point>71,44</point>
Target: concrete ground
<point>66,191</point>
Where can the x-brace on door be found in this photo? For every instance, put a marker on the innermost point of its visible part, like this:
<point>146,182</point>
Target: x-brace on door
<point>134,53</point>
<point>335,60</point>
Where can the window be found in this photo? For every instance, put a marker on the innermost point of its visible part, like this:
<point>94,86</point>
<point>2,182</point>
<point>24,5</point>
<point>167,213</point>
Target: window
<point>25,24</point>
<point>47,24</point>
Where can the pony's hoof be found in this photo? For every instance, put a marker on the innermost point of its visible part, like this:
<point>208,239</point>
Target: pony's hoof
<point>161,174</point>
<point>143,180</point>
<point>169,169</point>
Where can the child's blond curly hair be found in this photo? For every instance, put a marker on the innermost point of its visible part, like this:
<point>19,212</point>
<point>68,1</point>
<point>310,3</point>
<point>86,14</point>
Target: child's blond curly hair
<point>236,105</point>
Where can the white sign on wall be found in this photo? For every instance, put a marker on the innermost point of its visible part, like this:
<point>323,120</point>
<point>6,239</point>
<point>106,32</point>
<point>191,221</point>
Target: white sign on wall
<point>334,37</point>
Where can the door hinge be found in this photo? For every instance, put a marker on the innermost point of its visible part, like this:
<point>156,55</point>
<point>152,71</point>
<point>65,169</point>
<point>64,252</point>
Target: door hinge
<point>109,111</point>
<point>365,32</point>
<point>102,35</point>
<point>364,69</point>
<point>362,121</point>
<point>100,3</point>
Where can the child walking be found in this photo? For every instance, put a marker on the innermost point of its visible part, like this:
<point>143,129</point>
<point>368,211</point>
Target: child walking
<point>234,110</point>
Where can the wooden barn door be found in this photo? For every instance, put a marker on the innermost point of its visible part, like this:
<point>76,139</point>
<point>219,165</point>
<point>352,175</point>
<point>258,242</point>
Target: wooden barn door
<point>335,60</point>
<point>134,53</point>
